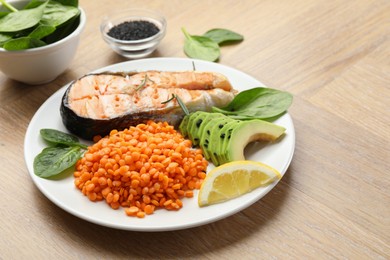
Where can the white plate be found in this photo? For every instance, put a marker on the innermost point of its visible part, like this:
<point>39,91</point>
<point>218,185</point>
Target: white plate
<point>64,194</point>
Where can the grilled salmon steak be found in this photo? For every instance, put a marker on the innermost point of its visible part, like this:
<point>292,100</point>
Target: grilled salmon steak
<point>97,103</point>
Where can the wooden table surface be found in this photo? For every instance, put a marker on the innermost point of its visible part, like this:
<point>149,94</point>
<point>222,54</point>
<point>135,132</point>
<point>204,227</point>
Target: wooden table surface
<point>334,200</point>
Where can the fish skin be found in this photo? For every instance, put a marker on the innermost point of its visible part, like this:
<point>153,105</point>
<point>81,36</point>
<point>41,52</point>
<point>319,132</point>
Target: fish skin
<point>97,103</point>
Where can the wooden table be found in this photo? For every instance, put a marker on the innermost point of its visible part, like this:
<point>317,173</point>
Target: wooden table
<point>334,200</point>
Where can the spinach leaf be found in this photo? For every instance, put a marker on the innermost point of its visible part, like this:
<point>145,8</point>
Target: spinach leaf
<point>261,103</point>
<point>41,22</point>
<point>42,31</point>
<point>34,3</point>
<point>54,136</point>
<point>23,43</point>
<point>54,160</point>
<point>74,3</point>
<point>63,30</point>
<point>56,14</point>
<point>200,47</point>
<point>222,36</point>
<point>4,37</point>
<point>17,21</point>
<point>8,6</point>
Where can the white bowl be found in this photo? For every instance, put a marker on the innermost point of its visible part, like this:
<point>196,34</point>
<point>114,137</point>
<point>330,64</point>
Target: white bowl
<point>43,64</point>
<point>133,49</point>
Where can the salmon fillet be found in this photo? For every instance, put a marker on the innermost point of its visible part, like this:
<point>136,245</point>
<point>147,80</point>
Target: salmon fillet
<point>98,102</point>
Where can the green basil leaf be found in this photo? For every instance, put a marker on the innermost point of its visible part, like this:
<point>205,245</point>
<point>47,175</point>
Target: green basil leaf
<point>17,21</point>
<point>23,43</point>
<point>54,136</point>
<point>261,103</point>
<point>54,160</point>
<point>222,36</point>
<point>200,47</point>
<point>42,31</point>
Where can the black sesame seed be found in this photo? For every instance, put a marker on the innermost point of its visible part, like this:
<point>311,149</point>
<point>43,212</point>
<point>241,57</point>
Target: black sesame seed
<point>133,30</point>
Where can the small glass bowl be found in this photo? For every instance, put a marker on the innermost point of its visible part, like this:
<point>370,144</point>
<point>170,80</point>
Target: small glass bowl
<point>133,49</point>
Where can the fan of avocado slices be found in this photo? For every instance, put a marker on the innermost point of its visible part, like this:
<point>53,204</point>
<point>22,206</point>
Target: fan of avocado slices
<point>224,133</point>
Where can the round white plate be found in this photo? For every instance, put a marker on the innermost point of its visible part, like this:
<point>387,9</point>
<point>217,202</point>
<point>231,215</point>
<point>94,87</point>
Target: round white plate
<point>63,193</point>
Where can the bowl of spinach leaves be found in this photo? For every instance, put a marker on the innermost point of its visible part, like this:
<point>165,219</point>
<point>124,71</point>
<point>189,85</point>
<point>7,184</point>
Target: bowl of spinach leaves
<point>38,38</point>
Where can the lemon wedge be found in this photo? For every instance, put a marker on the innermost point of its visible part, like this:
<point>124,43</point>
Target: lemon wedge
<point>234,179</point>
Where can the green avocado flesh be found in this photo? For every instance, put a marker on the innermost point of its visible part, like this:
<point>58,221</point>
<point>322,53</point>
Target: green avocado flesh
<point>223,139</point>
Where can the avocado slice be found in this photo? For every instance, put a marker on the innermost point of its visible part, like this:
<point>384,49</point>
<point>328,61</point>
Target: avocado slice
<point>183,125</point>
<point>224,135</point>
<point>190,123</point>
<point>194,125</point>
<point>249,131</point>
<point>205,134</point>
<point>201,122</point>
<point>218,136</point>
<point>215,139</point>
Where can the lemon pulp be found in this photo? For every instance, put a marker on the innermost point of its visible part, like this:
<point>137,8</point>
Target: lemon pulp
<point>233,179</point>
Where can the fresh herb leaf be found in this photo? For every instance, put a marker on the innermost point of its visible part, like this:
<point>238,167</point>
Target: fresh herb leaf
<point>179,101</point>
<point>260,103</point>
<point>182,105</point>
<point>222,36</point>
<point>200,47</point>
<point>143,83</point>
<point>54,160</point>
<point>54,136</point>
<point>169,99</point>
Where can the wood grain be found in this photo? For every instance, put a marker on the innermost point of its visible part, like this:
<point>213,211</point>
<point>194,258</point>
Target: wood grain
<point>334,200</point>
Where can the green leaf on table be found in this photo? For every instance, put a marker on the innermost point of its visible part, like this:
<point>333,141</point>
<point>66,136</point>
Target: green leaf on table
<point>222,36</point>
<point>54,160</point>
<point>200,47</point>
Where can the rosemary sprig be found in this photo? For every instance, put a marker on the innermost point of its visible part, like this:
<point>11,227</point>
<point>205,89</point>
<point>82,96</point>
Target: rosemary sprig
<point>179,101</point>
<point>143,83</point>
<point>169,99</point>
<point>182,105</point>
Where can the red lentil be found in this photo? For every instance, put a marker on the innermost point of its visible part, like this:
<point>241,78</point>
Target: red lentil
<point>141,168</point>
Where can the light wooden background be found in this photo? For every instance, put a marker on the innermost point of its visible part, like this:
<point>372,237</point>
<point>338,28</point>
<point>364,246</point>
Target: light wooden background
<point>334,200</point>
